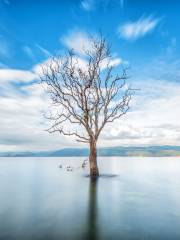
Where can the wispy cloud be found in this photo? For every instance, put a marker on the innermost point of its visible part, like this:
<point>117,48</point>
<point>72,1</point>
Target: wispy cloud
<point>9,78</point>
<point>77,40</point>
<point>112,62</point>
<point>29,52</point>
<point>88,5</point>
<point>43,50</point>
<point>34,51</point>
<point>15,75</point>
<point>139,28</point>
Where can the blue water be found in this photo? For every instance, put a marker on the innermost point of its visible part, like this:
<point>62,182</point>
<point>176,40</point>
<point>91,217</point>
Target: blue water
<point>134,198</point>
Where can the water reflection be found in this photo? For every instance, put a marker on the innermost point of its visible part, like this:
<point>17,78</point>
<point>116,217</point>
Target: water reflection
<point>93,210</point>
<point>134,198</point>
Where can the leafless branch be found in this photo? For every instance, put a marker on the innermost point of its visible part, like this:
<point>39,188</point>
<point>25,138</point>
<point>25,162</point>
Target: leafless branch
<point>87,91</point>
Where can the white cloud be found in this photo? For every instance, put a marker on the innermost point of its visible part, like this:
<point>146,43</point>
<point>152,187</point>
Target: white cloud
<point>139,28</point>
<point>78,41</point>
<point>11,77</point>
<point>16,75</point>
<point>22,124</point>
<point>22,107</point>
<point>111,62</point>
<point>82,63</point>
<point>153,119</point>
<point>150,121</point>
<point>38,69</point>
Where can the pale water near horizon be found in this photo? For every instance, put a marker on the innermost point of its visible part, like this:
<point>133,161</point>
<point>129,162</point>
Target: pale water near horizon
<point>134,198</point>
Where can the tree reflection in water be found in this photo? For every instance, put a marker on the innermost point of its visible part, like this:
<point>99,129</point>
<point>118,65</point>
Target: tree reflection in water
<point>92,214</point>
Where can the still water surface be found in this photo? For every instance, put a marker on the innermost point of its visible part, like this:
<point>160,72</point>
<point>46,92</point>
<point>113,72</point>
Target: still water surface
<point>135,198</point>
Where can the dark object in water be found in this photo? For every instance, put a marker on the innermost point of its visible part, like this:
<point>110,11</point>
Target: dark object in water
<point>84,163</point>
<point>69,168</point>
<point>60,166</point>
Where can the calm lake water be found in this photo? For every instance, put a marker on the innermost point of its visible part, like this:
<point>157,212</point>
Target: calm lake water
<point>135,198</point>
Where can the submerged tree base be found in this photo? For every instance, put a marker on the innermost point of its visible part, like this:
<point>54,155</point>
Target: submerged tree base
<point>94,172</point>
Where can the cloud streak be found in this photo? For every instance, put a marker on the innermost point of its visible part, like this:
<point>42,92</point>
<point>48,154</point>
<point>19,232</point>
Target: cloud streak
<point>29,52</point>
<point>16,75</point>
<point>139,28</point>
<point>88,5</point>
<point>43,50</point>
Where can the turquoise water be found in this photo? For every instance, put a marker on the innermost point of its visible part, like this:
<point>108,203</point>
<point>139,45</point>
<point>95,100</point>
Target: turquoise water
<point>134,198</point>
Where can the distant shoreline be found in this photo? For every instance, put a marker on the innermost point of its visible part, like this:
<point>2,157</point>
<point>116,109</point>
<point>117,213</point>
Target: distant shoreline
<point>149,151</point>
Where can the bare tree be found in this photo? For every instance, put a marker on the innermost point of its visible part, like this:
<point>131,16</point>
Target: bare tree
<point>87,94</point>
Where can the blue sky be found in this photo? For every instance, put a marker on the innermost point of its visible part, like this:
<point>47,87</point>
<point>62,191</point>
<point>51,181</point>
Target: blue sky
<point>145,34</point>
<point>27,24</point>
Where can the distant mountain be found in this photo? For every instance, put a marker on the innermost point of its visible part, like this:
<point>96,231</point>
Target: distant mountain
<point>149,151</point>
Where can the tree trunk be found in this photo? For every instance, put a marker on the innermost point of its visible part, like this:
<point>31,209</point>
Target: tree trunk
<point>94,172</point>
